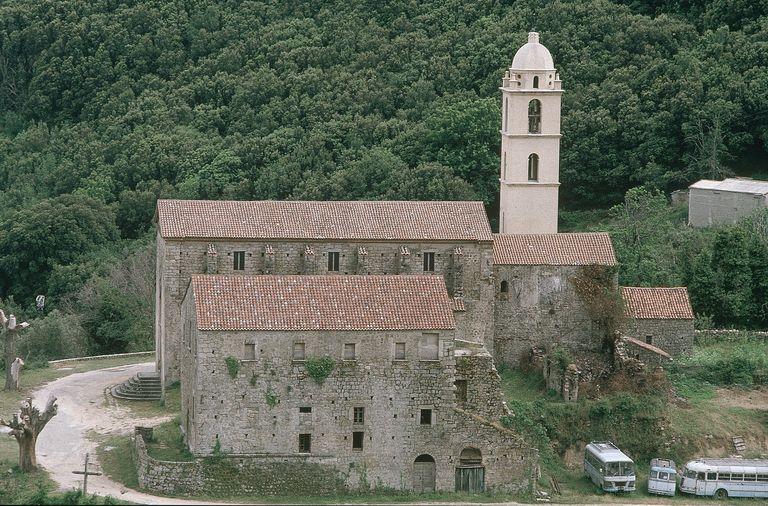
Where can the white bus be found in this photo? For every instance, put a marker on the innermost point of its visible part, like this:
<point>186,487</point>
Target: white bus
<point>726,478</point>
<point>662,477</point>
<point>608,467</point>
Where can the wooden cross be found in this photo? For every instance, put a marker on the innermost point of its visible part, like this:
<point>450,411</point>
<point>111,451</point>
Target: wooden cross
<point>86,473</point>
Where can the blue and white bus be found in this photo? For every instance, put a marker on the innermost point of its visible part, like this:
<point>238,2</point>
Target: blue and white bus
<point>662,477</point>
<point>608,467</point>
<point>723,478</point>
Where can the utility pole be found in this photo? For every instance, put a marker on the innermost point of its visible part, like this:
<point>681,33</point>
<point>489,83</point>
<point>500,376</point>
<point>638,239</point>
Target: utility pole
<point>86,474</point>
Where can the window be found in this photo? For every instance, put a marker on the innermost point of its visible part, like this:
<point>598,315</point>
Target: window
<point>298,351</point>
<point>249,351</point>
<point>654,474</point>
<point>399,351</point>
<point>663,476</point>
<point>425,418</point>
<point>734,477</point>
<point>349,351</point>
<point>648,339</point>
<point>305,409</point>
<point>504,287</point>
<point>535,81</point>
<point>534,117</point>
<point>357,440</point>
<point>239,257</point>
<point>428,347</point>
<point>305,443</point>
<point>461,390</point>
<point>533,167</point>
<point>333,261</point>
<point>750,477</point>
<point>358,415</point>
<point>429,262</point>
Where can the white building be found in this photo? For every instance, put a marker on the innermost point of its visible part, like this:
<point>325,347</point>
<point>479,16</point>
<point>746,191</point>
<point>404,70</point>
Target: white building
<point>725,202</point>
<point>530,142</point>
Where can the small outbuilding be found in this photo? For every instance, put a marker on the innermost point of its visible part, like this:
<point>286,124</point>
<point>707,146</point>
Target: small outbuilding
<point>660,317</point>
<point>725,202</point>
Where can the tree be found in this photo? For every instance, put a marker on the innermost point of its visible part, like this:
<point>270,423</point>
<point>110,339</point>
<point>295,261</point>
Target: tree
<point>9,327</point>
<point>26,425</point>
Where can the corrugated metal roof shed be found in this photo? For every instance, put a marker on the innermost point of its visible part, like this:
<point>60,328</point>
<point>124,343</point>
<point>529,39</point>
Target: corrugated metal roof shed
<point>737,184</point>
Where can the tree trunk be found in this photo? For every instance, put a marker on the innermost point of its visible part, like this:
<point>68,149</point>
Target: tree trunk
<point>27,456</point>
<point>9,353</point>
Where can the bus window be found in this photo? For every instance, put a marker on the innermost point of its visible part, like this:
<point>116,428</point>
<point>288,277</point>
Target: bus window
<point>654,474</point>
<point>711,476</point>
<point>700,476</point>
<point>762,477</point>
<point>725,476</point>
<point>749,477</point>
<point>737,477</point>
<point>689,473</point>
<point>663,476</point>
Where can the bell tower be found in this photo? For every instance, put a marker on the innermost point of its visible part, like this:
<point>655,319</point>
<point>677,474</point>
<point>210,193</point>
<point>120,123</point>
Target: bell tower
<point>530,142</point>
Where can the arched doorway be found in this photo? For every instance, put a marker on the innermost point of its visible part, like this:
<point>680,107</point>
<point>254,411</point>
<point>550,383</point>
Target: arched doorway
<point>424,474</point>
<point>470,473</point>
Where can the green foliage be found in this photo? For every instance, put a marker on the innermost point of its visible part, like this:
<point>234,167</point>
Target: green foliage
<point>561,358</point>
<point>319,368</point>
<point>743,361</point>
<point>271,398</point>
<point>233,366</point>
<point>56,335</point>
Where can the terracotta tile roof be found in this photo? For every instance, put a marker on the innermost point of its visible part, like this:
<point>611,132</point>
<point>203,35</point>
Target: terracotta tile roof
<point>657,303</point>
<point>415,302</point>
<point>353,220</point>
<point>553,249</point>
<point>458,304</point>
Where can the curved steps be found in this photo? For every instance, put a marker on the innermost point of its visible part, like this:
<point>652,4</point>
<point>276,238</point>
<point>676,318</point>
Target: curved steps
<point>141,387</point>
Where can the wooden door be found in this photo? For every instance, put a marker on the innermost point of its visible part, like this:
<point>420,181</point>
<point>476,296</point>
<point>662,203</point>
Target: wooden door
<point>423,477</point>
<point>470,479</point>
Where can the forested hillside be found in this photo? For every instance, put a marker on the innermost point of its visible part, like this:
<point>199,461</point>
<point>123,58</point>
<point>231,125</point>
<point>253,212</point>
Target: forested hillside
<point>106,106</point>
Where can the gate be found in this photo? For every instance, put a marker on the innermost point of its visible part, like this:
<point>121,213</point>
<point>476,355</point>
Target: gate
<point>470,473</point>
<point>470,479</point>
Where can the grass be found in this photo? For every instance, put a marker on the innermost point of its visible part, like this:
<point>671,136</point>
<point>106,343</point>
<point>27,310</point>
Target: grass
<point>171,405</point>
<point>168,443</point>
<point>115,459</point>
<point>20,488</point>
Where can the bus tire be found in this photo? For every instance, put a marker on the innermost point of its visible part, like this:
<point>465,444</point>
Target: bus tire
<point>721,493</point>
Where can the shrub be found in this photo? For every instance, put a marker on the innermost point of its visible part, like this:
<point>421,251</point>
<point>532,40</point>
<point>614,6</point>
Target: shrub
<point>57,335</point>
<point>233,366</point>
<point>319,368</point>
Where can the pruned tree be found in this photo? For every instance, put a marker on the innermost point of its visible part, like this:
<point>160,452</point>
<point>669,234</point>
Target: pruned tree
<point>8,329</point>
<point>26,425</point>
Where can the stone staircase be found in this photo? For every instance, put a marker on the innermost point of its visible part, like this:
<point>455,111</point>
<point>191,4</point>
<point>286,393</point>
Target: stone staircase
<point>145,386</point>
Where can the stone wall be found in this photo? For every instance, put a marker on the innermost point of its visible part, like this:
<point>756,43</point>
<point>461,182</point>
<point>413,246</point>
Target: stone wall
<point>226,476</point>
<point>540,308</point>
<point>673,336</point>
<point>466,267</point>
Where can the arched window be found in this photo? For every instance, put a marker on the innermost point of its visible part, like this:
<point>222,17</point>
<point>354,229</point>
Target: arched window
<point>533,167</point>
<point>534,117</point>
<point>504,286</point>
<point>535,81</point>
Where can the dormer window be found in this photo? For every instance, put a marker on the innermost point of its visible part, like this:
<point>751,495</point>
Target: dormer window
<point>534,117</point>
<point>239,261</point>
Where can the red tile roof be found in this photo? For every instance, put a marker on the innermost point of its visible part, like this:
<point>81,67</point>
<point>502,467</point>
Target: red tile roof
<point>415,302</point>
<point>553,249</point>
<point>657,303</point>
<point>353,220</point>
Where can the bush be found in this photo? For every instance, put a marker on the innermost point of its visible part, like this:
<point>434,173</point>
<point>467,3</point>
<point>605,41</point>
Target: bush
<point>56,335</point>
<point>319,368</point>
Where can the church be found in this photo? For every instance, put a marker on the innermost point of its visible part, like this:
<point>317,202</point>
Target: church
<point>364,337</point>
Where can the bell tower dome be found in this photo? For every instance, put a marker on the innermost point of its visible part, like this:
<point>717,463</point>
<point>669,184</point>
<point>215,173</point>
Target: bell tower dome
<point>530,142</point>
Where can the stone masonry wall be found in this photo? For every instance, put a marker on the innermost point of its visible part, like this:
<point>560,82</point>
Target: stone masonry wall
<point>258,411</point>
<point>466,268</point>
<point>541,308</point>
<point>673,336</point>
<point>288,475</point>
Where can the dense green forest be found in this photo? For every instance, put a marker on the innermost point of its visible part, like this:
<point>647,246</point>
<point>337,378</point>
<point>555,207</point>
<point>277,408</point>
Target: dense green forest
<point>106,106</point>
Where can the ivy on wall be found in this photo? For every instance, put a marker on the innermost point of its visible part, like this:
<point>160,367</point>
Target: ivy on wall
<point>319,368</point>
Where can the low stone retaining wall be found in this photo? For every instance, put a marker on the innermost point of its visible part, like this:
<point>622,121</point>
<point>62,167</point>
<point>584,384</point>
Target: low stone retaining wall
<point>98,357</point>
<point>729,333</point>
<point>229,476</point>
